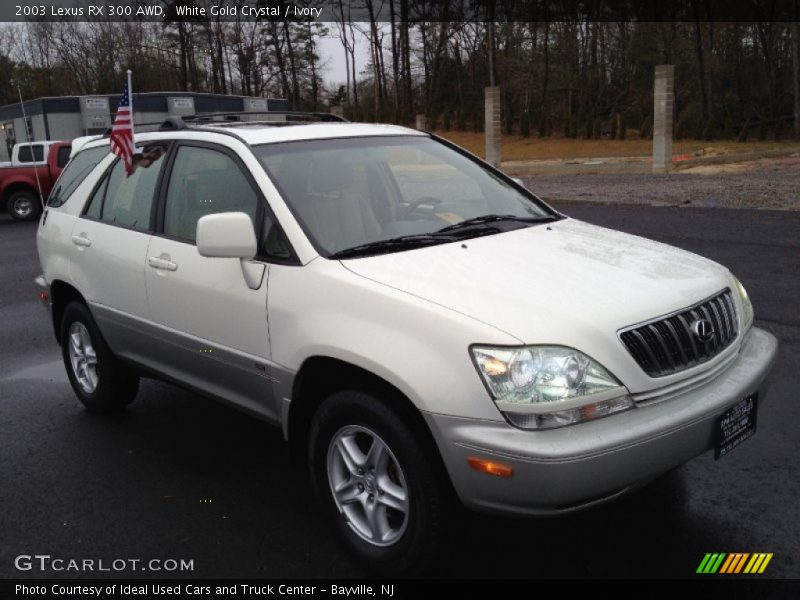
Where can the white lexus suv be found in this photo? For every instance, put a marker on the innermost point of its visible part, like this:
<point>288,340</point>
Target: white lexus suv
<point>424,330</point>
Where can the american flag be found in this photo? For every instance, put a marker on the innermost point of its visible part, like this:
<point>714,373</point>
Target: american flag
<point>122,131</point>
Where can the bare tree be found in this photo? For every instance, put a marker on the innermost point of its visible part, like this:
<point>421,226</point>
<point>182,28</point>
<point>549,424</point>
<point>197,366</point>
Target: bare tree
<point>796,73</point>
<point>395,61</point>
<point>405,52</point>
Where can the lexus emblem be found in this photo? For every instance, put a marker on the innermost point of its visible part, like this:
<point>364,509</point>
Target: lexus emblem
<point>703,330</point>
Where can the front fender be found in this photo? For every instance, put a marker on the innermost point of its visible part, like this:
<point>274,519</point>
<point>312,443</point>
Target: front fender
<point>421,348</point>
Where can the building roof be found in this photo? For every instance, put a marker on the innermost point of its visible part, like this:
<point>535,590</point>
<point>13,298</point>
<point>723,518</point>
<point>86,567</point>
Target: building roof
<point>142,102</point>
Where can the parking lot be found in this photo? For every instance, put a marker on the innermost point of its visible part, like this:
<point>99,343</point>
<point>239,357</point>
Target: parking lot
<point>178,476</point>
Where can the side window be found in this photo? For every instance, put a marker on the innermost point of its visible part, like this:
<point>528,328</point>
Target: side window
<point>78,168</point>
<point>25,155</point>
<point>128,200</point>
<point>203,182</point>
<point>62,156</point>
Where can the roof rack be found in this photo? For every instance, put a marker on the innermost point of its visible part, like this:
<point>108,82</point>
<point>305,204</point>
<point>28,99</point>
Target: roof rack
<point>218,120</point>
<point>174,123</point>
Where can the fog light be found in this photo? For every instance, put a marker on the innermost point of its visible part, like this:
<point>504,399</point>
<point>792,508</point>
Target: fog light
<point>490,467</point>
<point>562,418</point>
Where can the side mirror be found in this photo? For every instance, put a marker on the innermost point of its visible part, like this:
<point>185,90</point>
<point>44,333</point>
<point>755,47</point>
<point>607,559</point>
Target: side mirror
<point>231,235</point>
<point>226,235</point>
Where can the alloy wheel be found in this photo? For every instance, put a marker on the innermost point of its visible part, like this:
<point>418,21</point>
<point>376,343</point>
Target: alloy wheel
<point>83,357</point>
<point>368,485</point>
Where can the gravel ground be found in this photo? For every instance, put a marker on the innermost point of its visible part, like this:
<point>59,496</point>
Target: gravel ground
<point>767,183</point>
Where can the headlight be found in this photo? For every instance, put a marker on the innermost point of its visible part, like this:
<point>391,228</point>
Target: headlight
<point>548,386</point>
<point>747,306</point>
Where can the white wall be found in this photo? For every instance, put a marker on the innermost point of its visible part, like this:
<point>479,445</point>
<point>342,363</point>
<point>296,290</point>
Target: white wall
<point>64,126</point>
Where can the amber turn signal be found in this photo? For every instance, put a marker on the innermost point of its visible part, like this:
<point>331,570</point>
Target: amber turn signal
<point>490,467</point>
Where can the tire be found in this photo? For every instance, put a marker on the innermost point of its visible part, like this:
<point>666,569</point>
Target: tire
<point>102,383</point>
<point>24,206</point>
<point>406,543</point>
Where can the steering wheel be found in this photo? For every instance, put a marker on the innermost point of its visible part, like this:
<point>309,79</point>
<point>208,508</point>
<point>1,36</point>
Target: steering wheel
<point>417,203</point>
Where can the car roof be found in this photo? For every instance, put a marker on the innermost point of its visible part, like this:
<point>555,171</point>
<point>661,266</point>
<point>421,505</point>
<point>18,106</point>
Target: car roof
<point>265,133</point>
<point>255,132</point>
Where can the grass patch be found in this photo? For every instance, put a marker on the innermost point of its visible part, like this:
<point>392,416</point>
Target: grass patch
<point>516,147</point>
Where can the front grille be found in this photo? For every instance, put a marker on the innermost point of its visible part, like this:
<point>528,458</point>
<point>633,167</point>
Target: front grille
<point>668,344</point>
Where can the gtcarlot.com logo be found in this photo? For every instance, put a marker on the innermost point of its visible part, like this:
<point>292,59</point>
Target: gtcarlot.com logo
<point>45,562</point>
<point>733,563</point>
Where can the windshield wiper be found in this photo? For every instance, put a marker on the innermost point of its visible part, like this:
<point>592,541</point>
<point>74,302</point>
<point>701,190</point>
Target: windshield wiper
<point>483,220</point>
<point>451,233</point>
<point>403,242</point>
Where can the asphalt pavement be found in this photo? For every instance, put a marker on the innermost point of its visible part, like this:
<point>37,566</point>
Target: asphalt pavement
<point>178,476</point>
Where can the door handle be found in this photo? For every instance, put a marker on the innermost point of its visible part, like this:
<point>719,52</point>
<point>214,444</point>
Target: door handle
<point>81,240</point>
<point>162,262</point>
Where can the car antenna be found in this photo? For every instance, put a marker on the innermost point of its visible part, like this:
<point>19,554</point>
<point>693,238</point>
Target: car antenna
<point>30,143</point>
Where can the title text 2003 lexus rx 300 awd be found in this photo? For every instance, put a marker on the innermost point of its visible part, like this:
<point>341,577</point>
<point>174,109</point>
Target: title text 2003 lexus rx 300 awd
<point>423,329</point>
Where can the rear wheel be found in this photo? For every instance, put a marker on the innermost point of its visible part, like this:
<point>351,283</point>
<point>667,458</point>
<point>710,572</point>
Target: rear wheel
<point>388,501</point>
<point>24,206</point>
<point>101,382</point>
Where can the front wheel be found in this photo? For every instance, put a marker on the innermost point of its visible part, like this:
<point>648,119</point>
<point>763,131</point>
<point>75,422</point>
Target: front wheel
<point>387,499</point>
<point>101,382</point>
<point>24,206</point>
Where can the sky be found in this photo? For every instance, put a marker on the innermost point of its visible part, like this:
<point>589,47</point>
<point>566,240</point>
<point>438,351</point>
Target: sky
<point>331,52</point>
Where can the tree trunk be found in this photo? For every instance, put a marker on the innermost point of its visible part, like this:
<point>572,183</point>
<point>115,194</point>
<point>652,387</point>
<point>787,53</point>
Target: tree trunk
<point>218,36</point>
<point>212,52</point>
<point>190,60</point>
<point>377,60</point>
<point>292,64</point>
<point>701,65</point>
<point>343,38</point>
<point>543,117</point>
<point>490,53</point>
<point>796,75</point>
<point>425,50</point>
<point>395,63</point>
<point>353,66</point>
<point>460,124</point>
<point>406,51</point>
<point>441,44</point>
<point>279,58</point>
<point>183,52</point>
<point>312,58</point>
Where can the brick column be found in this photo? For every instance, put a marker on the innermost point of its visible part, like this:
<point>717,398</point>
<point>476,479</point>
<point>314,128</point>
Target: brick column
<point>663,104</point>
<point>421,123</point>
<point>492,128</point>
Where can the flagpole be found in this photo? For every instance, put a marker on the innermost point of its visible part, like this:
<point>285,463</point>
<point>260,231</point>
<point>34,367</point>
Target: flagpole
<point>130,103</point>
<point>30,144</point>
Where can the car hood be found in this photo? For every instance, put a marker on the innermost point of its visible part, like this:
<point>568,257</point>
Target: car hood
<point>567,282</point>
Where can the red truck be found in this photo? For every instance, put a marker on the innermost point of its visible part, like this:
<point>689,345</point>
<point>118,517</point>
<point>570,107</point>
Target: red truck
<point>19,191</point>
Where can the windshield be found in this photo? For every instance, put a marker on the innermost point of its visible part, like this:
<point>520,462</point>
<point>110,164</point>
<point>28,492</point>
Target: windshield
<point>347,192</point>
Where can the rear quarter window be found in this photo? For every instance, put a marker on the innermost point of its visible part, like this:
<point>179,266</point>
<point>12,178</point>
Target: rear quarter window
<point>75,172</point>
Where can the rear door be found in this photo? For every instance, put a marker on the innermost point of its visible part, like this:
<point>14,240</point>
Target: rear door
<point>213,332</point>
<point>109,244</point>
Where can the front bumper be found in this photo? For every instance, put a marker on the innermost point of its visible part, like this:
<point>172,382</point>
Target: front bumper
<point>561,470</point>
